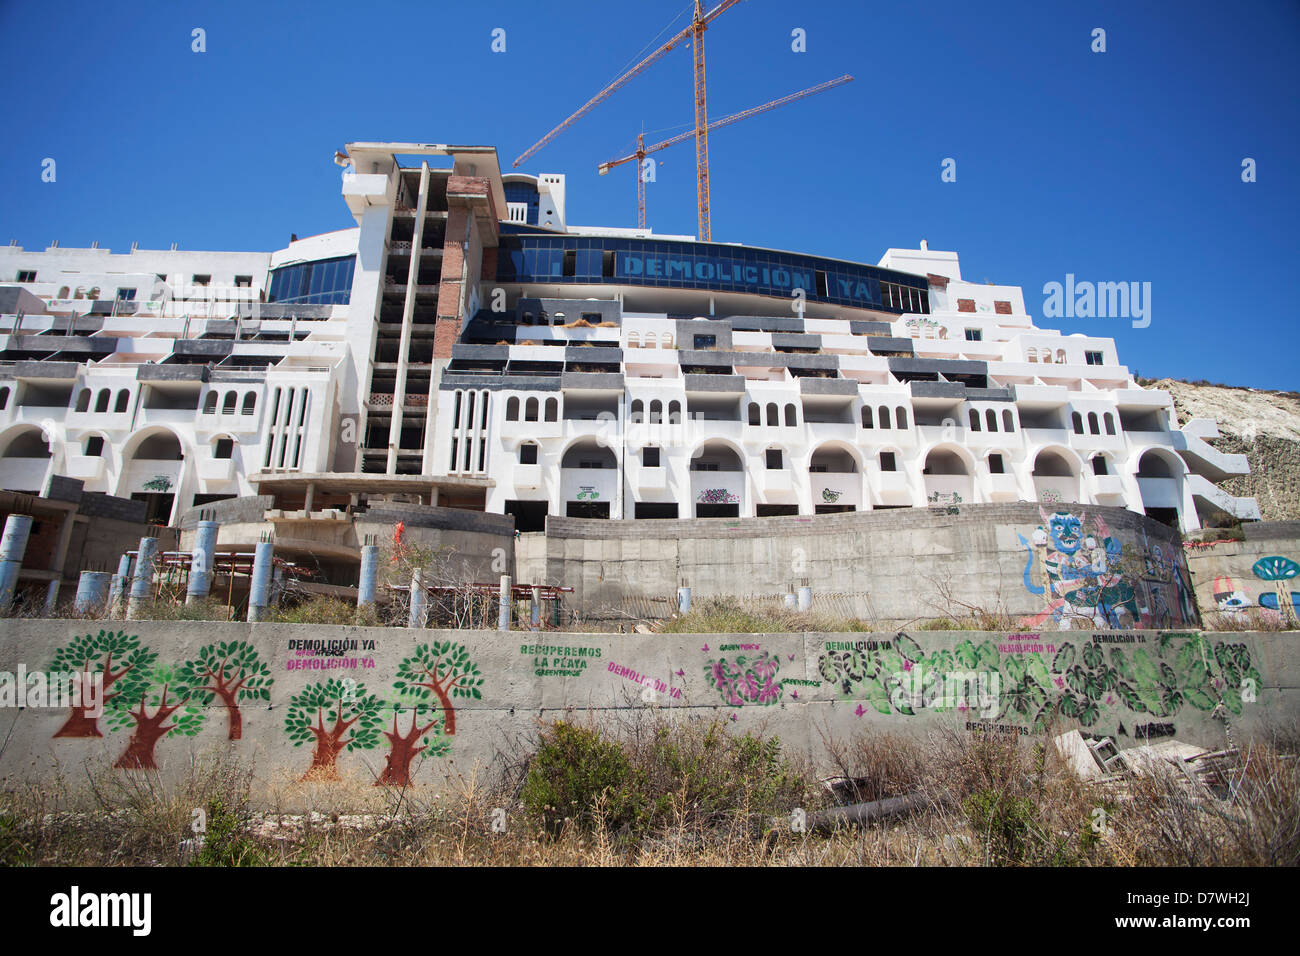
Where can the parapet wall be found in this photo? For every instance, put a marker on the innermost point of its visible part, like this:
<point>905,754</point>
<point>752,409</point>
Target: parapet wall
<point>1262,572</point>
<point>1052,565</point>
<point>483,692</point>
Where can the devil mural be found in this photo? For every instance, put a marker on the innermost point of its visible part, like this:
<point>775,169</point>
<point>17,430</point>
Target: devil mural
<point>1082,573</point>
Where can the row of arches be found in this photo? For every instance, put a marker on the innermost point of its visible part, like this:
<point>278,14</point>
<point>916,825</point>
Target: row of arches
<point>228,404</point>
<point>531,408</point>
<point>102,400</point>
<point>991,420</point>
<point>1076,419</point>
<point>1044,355</point>
<point>773,418</point>
<point>880,418</point>
<point>651,340</point>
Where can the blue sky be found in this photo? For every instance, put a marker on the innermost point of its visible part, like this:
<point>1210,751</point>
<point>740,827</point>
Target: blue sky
<point>1115,166</point>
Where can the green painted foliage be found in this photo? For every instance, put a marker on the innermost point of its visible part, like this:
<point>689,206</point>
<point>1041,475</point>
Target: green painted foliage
<point>326,704</point>
<point>229,663</point>
<point>444,662</point>
<point>92,651</point>
<point>157,685</point>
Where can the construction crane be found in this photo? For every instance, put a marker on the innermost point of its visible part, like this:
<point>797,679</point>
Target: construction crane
<point>643,150</point>
<point>695,33</point>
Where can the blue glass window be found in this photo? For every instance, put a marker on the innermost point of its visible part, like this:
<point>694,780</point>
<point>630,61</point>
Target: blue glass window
<point>326,282</point>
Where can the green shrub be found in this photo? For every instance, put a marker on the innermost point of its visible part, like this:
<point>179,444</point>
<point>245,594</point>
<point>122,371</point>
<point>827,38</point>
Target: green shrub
<point>577,771</point>
<point>224,843</point>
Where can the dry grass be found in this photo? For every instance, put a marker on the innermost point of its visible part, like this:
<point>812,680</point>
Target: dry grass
<point>648,790</point>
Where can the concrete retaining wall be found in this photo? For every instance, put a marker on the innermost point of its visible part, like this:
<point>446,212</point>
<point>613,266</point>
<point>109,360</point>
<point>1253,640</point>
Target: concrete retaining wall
<point>1233,577</point>
<point>804,688</point>
<point>1109,565</point>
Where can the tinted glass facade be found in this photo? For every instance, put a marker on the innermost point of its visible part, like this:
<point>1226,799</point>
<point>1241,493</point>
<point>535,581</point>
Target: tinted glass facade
<point>325,282</point>
<point>706,266</point>
<point>525,193</point>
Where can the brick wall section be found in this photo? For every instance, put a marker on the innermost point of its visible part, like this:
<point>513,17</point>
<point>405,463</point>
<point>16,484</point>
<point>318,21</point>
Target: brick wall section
<point>1001,308</point>
<point>489,270</point>
<point>65,489</point>
<point>95,504</point>
<point>232,510</point>
<point>965,305</point>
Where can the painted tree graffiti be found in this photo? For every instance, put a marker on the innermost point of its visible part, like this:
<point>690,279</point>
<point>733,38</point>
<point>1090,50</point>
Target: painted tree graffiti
<point>402,747</point>
<point>231,671</point>
<point>1078,681</point>
<point>159,688</point>
<point>747,681</point>
<point>442,670</point>
<point>334,716</point>
<point>115,654</point>
<point>1277,569</point>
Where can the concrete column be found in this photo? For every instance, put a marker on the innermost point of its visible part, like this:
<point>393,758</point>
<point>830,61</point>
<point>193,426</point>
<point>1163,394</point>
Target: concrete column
<point>535,611</point>
<point>310,499</point>
<point>789,601</point>
<point>12,546</point>
<point>804,602</point>
<point>419,616</point>
<point>503,605</point>
<point>259,589</point>
<point>203,562</point>
<point>119,585</point>
<point>369,575</point>
<point>142,583</point>
<point>92,592</point>
<point>684,600</point>
<point>408,318</point>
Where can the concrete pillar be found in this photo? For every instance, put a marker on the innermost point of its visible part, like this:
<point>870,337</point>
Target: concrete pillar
<point>789,601</point>
<point>369,575</point>
<point>804,602</point>
<point>503,605</point>
<point>259,589</point>
<point>310,498</point>
<point>203,562</point>
<point>535,611</point>
<point>119,585</point>
<point>52,596</point>
<point>419,615</point>
<point>92,592</point>
<point>142,582</point>
<point>12,546</point>
<point>684,600</point>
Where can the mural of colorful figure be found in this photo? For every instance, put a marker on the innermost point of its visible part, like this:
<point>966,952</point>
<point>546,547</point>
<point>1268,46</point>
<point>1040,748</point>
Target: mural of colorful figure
<point>1089,576</point>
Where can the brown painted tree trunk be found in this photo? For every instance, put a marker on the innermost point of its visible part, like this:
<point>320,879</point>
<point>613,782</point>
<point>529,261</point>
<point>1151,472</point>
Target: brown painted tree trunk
<point>79,724</point>
<point>139,751</point>
<point>233,716</point>
<point>448,712</point>
<point>397,765</point>
<point>324,758</point>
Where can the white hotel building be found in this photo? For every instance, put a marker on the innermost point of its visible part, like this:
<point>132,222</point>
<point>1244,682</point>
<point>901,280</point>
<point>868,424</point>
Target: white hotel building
<point>463,345</point>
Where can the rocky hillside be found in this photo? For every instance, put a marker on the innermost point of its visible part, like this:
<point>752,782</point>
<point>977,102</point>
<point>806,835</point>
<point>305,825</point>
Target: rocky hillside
<point>1264,426</point>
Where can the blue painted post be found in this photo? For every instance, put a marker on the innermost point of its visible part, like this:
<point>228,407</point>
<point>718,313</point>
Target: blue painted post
<point>259,590</point>
<point>12,546</point>
<point>119,585</point>
<point>369,575</point>
<point>805,598</point>
<point>419,602</point>
<point>92,592</point>
<point>684,600</point>
<point>203,561</point>
<point>142,583</point>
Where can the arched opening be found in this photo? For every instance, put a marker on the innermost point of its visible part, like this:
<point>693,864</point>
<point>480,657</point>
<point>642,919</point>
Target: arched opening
<point>1153,464</point>
<point>674,413</point>
<point>210,403</point>
<point>162,446</point>
<point>1055,476</point>
<point>633,340</point>
<point>123,400</point>
<point>884,416</point>
<point>716,456</point>
<point>636,414</point>
<point>530,410</point>
<point>1093,428</point>
<point>947,475</point>
<point>943,461</point>
<point>1077,421</point>
<point>1109,422</point>
<point>512,409</point>
<point>717,481</point>
<point>1008,420</point>
<point>900,419</point>
<point>974,420</point>
<point>1159,475</point>
<point>868,417</point>
<point>29,443</point>
<point>588,453</point>
<point>228,403</point>
<point>791,416</point>
<point>833,479</point>
<point>656,412</point>
<point>552,410</point>
<point>828,459</point>
<point>4,397</point>
<point>83,400</point>
<point>651,340</point>
<point>773,414</point>
<point>755,417</point>
<point>991,419</point>
<point>250,403</point>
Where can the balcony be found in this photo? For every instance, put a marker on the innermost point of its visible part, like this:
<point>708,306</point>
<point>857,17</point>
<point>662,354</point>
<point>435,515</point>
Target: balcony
<point>1003,487</point>
<point>1100,486</point>
<point>85,467</point>
<point>216,469</point>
